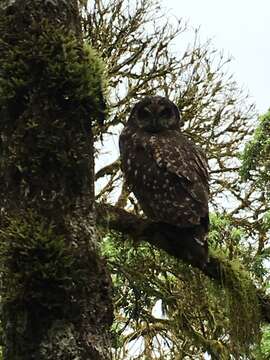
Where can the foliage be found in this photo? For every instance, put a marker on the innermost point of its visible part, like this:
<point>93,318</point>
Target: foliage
<point>266,342</point>
<point>190,320</point>
<point>256,158</point>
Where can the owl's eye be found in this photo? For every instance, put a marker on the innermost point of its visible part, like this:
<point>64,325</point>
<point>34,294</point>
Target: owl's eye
<point>144,113</point>
<point>165,113</point>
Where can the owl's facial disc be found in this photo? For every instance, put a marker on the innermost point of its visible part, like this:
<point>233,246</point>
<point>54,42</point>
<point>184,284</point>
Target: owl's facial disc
<point>155,119</point>
<point>157,115</point>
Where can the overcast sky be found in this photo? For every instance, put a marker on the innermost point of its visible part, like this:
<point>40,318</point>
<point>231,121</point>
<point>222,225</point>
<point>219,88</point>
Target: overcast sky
<point>241,28</point>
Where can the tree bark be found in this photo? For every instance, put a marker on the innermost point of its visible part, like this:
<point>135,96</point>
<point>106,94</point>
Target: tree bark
<point>56,292</point>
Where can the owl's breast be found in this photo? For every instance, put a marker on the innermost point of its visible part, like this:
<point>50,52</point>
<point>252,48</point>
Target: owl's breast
<point>158,191</point>
<point>138,164</point>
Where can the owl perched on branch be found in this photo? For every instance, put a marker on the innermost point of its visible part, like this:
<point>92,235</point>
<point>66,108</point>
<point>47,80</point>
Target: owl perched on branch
<point>168,175</point>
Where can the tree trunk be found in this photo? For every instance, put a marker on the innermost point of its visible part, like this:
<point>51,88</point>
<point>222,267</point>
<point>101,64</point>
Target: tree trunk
<point>55,288</point>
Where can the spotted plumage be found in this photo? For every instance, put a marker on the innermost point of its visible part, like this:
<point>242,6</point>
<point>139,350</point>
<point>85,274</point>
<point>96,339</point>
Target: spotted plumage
<point>167,172</point>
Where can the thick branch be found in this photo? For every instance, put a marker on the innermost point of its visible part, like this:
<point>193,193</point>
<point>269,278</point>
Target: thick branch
<point>144,230</point>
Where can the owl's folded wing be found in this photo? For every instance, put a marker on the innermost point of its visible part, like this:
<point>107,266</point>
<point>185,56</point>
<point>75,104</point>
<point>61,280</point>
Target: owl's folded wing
<point>181,157</point>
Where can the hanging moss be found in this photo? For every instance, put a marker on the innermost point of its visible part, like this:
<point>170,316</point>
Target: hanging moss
<point>255,157</point>
<point>221,320</point>
<point>241,302</point>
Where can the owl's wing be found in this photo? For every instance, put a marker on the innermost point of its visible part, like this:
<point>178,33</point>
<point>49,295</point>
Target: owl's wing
<point>181,157</point>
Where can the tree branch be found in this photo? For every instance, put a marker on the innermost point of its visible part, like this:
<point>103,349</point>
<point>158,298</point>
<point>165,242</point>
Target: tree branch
<point>141,229</point>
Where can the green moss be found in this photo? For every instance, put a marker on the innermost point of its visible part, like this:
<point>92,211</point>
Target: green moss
<point>35,259</point>
<point>259,146</point>
<point>222,320</point>
<point>241,302</point>
<point>49,60</point>
<point>255,158</point>
<point>51,91</point>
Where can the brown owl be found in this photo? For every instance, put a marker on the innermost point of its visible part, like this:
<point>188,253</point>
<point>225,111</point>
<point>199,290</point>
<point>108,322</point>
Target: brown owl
<point>168,174</point>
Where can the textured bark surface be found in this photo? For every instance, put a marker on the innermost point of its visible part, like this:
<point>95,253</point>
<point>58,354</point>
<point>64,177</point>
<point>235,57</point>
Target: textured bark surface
<point>56,291</point>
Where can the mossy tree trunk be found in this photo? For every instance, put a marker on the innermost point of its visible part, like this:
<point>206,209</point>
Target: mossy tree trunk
<point>56,301</point>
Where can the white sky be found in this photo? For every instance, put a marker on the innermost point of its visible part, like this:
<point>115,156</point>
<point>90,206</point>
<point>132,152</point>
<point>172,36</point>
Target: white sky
<point>241,28</point>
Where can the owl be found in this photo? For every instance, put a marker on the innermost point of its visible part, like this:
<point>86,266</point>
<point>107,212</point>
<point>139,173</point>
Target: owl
<point>168,174</point>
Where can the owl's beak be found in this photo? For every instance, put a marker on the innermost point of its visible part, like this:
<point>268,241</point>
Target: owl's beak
<point>154,123</point>
<point>154,126</point>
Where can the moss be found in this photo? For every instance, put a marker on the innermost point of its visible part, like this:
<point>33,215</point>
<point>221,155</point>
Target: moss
<point>48,59</point>
<point>52,262</point>
<point>50,85</point>
<point>241,302</point>
<point>224,321</point>
<point>257,148</point>
<point>255,158</point>
<point>215,348</point>
<point>51,93</point>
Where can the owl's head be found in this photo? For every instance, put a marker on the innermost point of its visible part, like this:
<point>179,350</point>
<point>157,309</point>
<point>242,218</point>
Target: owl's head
<point>155,114</point>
